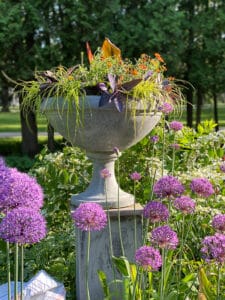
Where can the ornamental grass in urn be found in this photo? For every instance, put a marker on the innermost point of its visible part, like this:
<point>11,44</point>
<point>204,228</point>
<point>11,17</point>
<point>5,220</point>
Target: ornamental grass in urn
<point>111,103</point>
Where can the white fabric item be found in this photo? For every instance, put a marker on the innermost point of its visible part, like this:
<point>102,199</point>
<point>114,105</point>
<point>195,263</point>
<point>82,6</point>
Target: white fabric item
<point>40,287</point>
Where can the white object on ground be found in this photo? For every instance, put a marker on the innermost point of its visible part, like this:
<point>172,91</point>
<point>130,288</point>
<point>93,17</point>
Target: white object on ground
<point>40,287</point>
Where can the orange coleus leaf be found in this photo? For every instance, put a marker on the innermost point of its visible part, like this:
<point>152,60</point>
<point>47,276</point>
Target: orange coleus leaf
<point>109,49</point>
<point>89,52</point>
<point>159,57</point>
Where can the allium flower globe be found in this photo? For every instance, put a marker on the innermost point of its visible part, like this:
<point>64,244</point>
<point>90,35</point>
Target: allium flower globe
<point>23,191</point>
<point>166,108</point>
<point>5,184</point>
<point>135,176</point>
<point>168,186</point>
<point>222,167</point>
<point>23,225</point>
<point>176,125</point>
<point>218,223</point>
<point>202,187</point>
<point>164,237</point>
<point>185,204</point>
<point>154,138</point>
<point>148,258</point>
<point>104,173</point>
<point>89,217</point>
<point>175,146</point>
<point>213,248</point>
<point>156,212</point>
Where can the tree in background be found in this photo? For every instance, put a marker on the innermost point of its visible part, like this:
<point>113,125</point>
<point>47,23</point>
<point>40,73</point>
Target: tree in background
<point>189,34</point>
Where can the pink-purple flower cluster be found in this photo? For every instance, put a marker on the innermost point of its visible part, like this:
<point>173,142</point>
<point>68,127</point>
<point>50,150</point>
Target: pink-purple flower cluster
<point>23,225</point>
<point>222,167</point>
<point>104,173</point>
<point>202,187</point>
<point>164,237</point>
<point>89,217</point>
<point>166,108</point>
<point>168,186</point>
<point>213,248</point>
<point>218,223</point>
<point>156,212</point>
<point>21,198</point>
<point>148,258</point>
<point>175,146</point>
<point>135,176</point>
<point>185,204</point>
<point>176,125</point>
<point>23,190</point>
<point>154,138</point>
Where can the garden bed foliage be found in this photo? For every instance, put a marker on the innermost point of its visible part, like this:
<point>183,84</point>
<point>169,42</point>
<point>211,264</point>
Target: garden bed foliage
<point>186,153</point>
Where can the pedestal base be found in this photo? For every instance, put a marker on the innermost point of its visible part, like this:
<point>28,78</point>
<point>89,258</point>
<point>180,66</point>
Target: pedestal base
<point>100,255</point>
<point>100,188</point>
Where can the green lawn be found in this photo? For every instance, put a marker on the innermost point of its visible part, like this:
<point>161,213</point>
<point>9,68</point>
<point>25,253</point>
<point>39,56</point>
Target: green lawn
<point>11,121</point>
<point>207,113</point>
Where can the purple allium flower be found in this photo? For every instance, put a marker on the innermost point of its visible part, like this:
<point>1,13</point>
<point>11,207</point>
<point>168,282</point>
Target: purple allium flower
<point>89,216</point>
<point>149,258</point>
<point>2,162</point>
<point>117,151</point>
<point>202,187</point>
<point>154,138</point>
<point>185,204</point>
<point>156,212</point>
<point>218,223</point>
<point>214,248</point>
<point>176,126</point>
<point>175,146</point>
<point>23,191</point>
<point>23,225</point>
<point>135,176</point>
<point>104,173</point>
<point>166,108</point>
<point>164,237</point>
<point>168,186</point>
<point>222,167</point>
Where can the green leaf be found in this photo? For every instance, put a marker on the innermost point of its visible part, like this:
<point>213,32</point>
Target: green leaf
<point>122,265</point>
<point>205,285</point>
<point>103,281</point>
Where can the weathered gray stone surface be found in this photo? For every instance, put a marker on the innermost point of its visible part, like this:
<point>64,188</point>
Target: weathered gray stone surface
<point>100,256</point>
<point>99,130</point>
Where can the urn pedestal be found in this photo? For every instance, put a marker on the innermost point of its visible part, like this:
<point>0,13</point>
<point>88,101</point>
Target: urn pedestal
<point>100,253</point>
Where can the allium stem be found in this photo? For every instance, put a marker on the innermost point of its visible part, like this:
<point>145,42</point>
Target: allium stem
<point>8,270</point>
<point>109,221</point>
<point>173,157</point>
<point>87,263</point>
<point>118,201</point>
<point>163,144</point>
<point>135,219</point>
<point>218,283</point>
<point>22,271</point>
<point>162,285</point>
<point>16,272</point>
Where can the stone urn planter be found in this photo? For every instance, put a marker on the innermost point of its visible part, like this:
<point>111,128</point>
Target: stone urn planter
<point>101,130</point>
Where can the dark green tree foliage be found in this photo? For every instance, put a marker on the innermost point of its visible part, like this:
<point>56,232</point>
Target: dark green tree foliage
<point>189,34</point>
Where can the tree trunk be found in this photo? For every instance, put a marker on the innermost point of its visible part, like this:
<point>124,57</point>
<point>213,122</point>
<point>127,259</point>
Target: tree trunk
<point>199,106</point>
<point>51,142</point>
<point>189,107</point>
<point>215,109</point>
<point>5,97</point>
<point>29,132</point>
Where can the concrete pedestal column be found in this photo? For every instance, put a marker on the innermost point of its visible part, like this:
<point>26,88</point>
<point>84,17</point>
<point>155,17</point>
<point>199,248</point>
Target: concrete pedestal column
<point>100,254</point>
